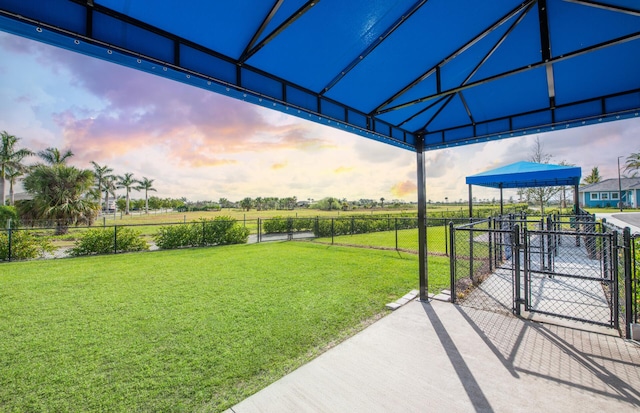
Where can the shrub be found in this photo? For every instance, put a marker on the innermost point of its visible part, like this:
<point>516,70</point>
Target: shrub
<point>101,241</point>
<point>24,246</point>
<point>218,231</point>
<point>176,236</point>
<point>279,225</point>
<point>8,213</point>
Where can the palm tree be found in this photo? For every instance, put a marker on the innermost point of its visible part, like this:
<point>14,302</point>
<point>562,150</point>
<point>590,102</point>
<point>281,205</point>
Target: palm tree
<point>10,157</point>
<point>53,156</point>
<point>101,172</point>
<point>147,185</point>
<point>59,194</point>
<point>382,203</point>
<point>593,177</point>
<point>12,175</point>
<point>633,162</point>
<point>126,181</point>
<point>109,187</point>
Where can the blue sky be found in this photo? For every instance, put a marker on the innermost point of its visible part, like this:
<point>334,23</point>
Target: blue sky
<point>206,146</point>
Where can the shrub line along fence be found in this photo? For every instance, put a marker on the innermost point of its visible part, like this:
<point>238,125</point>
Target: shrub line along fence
<point>389,232</point>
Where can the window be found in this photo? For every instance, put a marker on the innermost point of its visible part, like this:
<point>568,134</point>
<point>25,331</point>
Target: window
<point>594,195</point>
<point>614,195</point>
<point>604,195</point>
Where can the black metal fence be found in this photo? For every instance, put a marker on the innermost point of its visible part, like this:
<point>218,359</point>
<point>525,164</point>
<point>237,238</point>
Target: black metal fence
<point>571,267</point>
<point>382,232</point>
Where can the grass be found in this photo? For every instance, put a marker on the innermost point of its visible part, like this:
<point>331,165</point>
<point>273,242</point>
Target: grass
<point>407,239</point>
<point>186,330</point>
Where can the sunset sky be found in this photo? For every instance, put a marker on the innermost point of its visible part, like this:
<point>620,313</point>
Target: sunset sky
<point>205,146</point>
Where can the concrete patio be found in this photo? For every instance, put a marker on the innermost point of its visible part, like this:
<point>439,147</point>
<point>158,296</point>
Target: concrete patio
<point>439,357</point>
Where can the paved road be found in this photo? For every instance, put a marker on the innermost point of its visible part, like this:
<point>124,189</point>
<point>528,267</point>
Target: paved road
<point>632,218</point>
<point>623,219</point>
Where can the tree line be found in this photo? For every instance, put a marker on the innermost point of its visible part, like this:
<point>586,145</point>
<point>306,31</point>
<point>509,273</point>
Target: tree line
<point>60,192</point>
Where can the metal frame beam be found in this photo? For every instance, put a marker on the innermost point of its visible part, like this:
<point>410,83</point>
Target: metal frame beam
<point>511,131</point>
<point>619,40</point>
<point>288,22</point>
<point>405,16</point>
<point>606,6</point>
<point>456,53</point>
<point>261,29</point>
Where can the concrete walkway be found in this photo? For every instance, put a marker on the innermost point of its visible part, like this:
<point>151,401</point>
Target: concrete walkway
<point>439,357</point>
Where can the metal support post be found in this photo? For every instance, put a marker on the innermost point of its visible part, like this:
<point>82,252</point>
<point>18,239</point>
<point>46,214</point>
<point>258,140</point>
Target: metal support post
<point>422,228</point>
<point>470,202</point>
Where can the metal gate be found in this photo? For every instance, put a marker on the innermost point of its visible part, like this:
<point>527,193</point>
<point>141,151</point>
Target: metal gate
<point>566,267</point>
<point>569,275</point>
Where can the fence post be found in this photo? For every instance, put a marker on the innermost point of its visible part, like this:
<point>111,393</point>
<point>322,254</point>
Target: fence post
<point>115,239</point>
<point>452,262</point>
<point>526,256</point>
<point>396,227</point>
<point>259,229</point>
<point>9,231</point>
<point>614,280</point>
<point>628,302</point>
<point>489,235</point>
<point>515,253</point>
<point>446,239</point>
<point>203,232</point>
<point>550,242</point>
<point>605,251</point>
<point>471,251</point>
<point>332,227</point>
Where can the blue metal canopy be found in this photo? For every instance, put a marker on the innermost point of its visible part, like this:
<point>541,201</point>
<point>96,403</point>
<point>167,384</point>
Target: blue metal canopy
<point>419,74</point>
<point>527,175</point>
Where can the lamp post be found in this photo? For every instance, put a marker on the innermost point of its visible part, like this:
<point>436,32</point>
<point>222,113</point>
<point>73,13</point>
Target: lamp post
<point>619,185</point>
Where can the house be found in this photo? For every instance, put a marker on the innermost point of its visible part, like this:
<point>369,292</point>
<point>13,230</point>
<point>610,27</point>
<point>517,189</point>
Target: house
<point>606,193</point>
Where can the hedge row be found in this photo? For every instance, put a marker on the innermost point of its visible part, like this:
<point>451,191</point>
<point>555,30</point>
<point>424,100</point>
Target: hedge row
<point>218,231</point>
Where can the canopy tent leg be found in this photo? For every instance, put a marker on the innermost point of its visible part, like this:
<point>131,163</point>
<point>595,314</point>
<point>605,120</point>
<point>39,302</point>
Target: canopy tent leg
<point>422,221</point>
<point>576,200</point>
<point>501,201</point>
<point>470,202</point>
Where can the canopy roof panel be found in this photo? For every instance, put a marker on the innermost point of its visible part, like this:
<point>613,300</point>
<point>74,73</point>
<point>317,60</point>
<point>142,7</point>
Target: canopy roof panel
<point>527,175</point>
<point>442,72</point>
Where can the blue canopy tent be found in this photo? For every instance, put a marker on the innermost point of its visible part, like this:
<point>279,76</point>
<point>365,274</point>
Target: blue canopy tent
<point>526,175</point>
<point>418,74</point>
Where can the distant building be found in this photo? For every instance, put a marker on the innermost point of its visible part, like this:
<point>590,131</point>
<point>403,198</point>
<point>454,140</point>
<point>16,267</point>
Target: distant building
<point>19,196</point>
<point>111,207</point>
<point>606,193</point>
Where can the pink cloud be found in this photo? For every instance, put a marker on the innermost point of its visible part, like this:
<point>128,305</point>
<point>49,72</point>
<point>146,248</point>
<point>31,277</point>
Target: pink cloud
<point>193,126</point>
<point>403,189</point>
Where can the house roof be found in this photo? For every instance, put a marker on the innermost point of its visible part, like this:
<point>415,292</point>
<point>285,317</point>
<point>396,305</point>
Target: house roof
<point>527,175</point>
<point>453,72</point>
<point>611,185</point>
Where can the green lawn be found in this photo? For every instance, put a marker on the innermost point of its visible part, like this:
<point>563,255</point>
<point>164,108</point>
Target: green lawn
<point>407,239</point>
<point>183,330</point>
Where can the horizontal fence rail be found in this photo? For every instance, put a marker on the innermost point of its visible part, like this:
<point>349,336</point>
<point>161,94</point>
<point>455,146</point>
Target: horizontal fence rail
<point>59,239</point>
